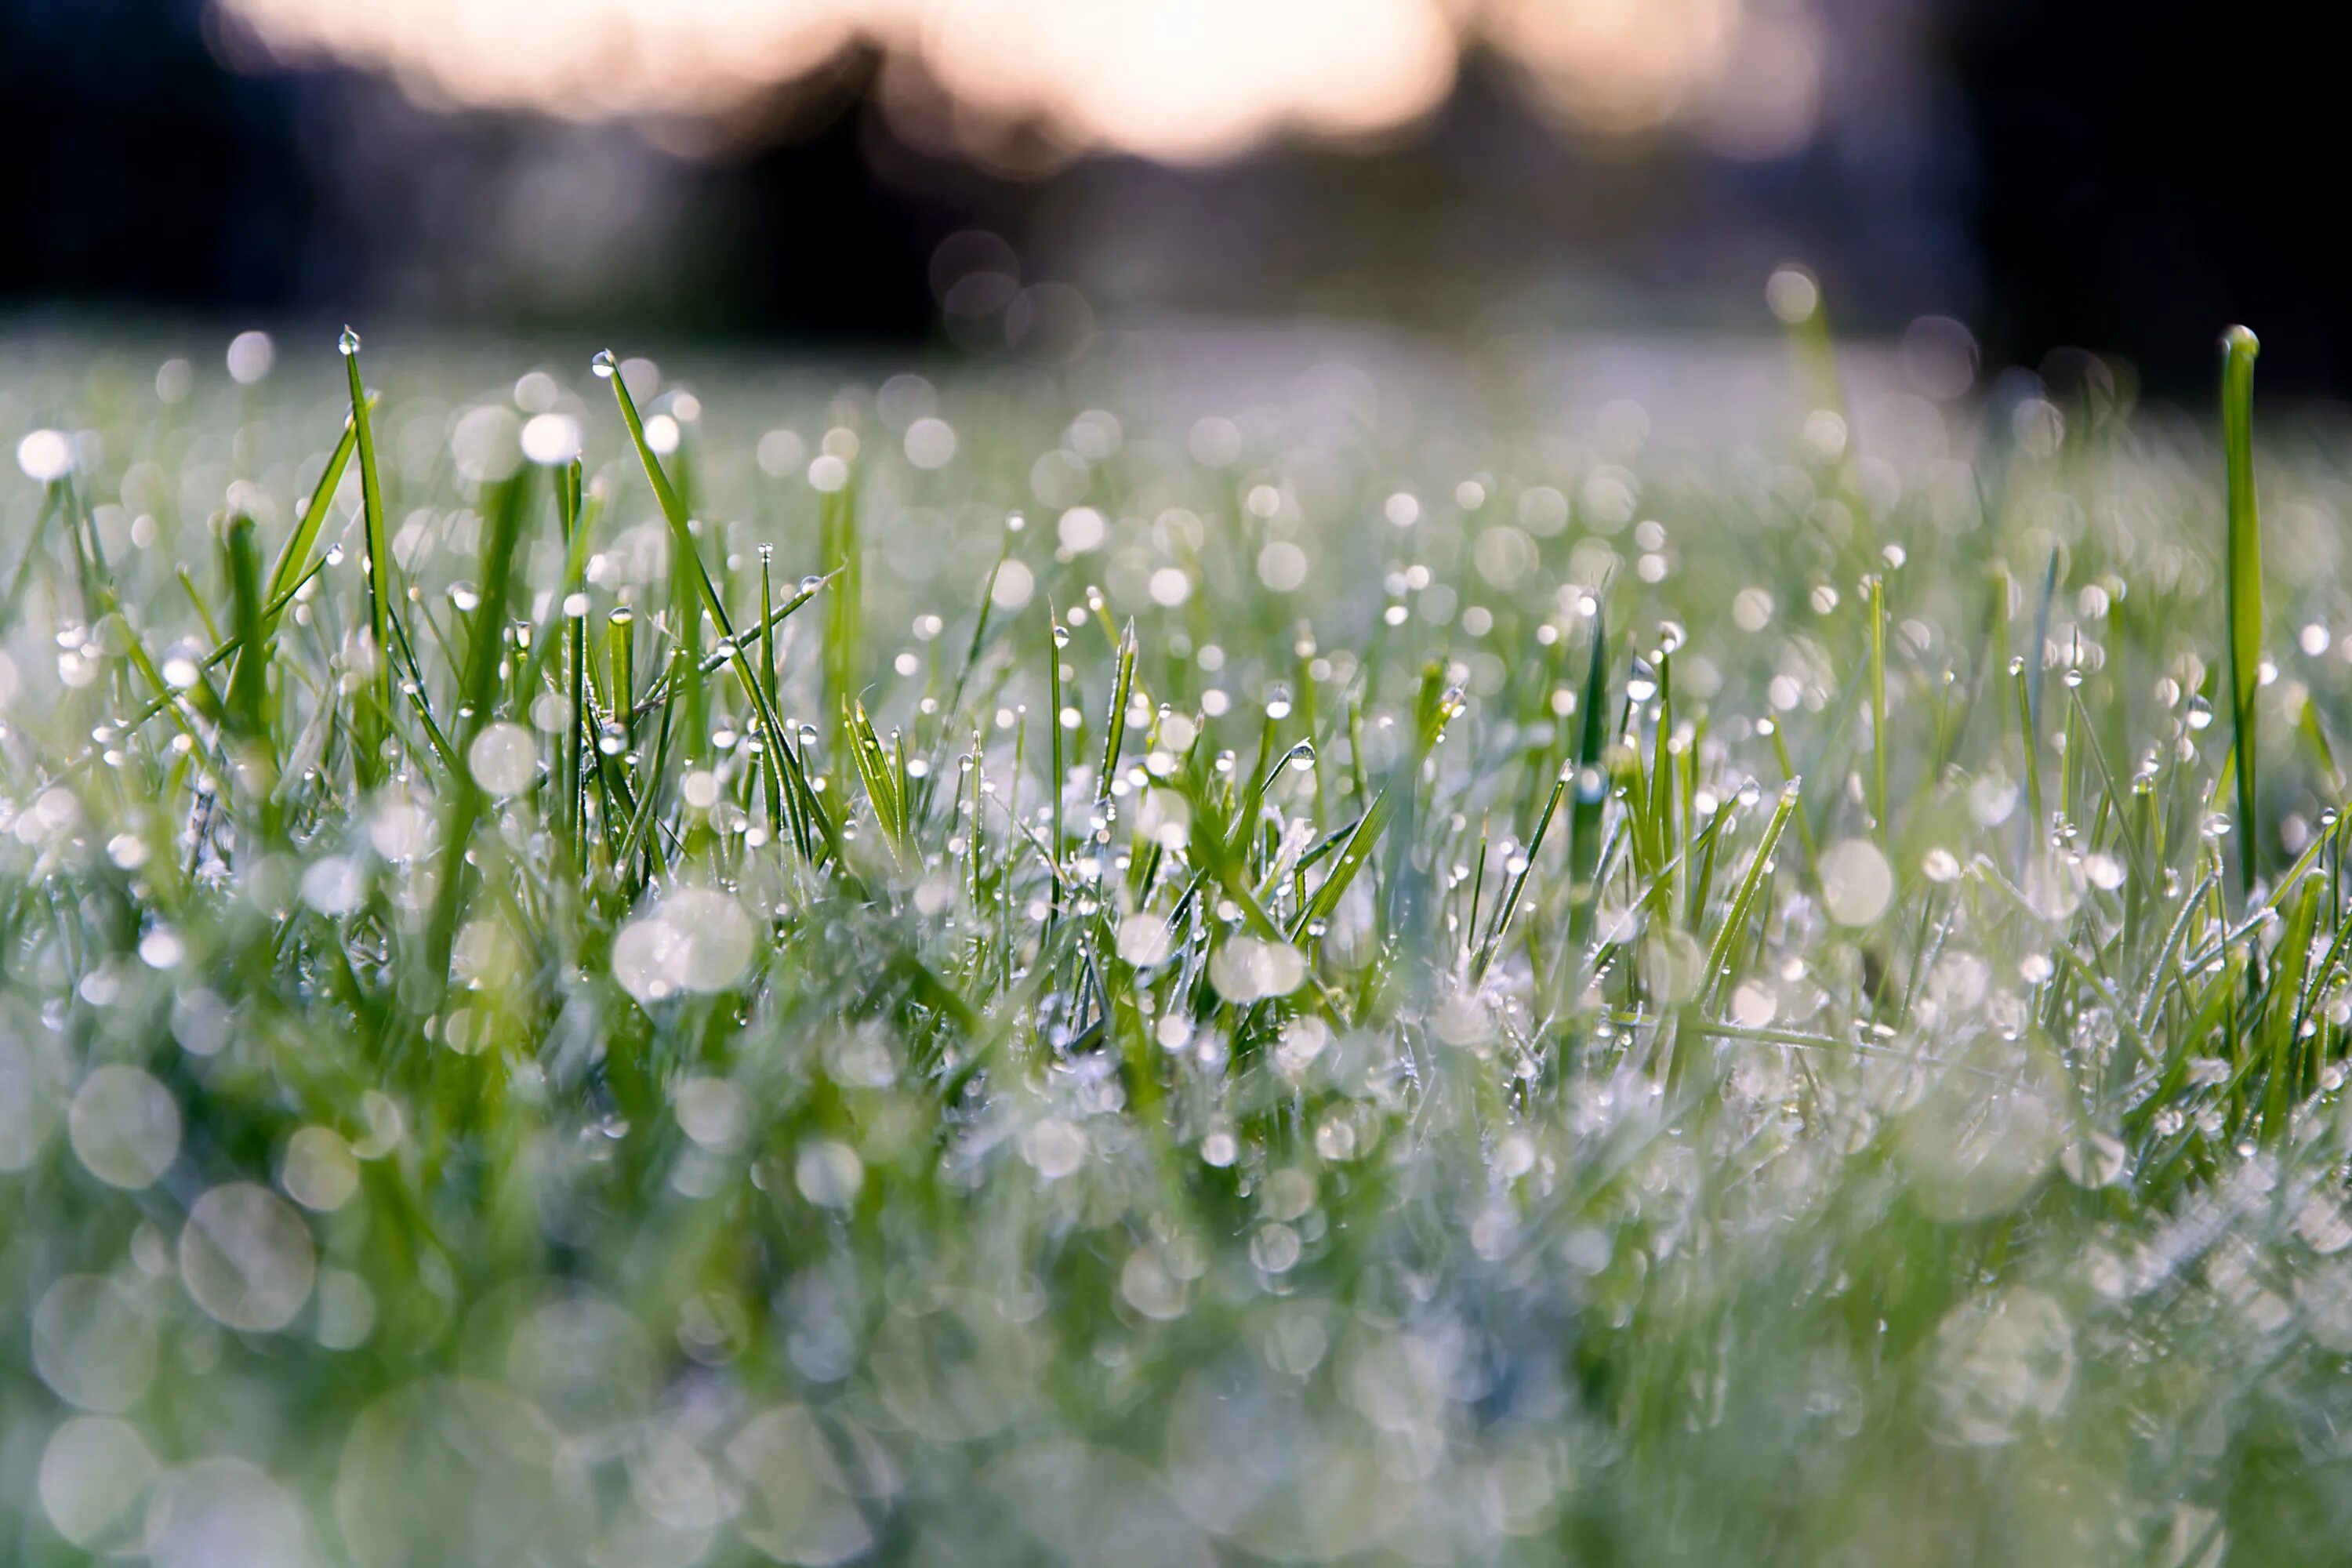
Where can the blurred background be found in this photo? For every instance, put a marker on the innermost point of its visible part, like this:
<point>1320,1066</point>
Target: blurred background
<point>1003,176</point>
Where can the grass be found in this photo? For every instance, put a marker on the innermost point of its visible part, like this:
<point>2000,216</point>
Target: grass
<point>1517,988</point>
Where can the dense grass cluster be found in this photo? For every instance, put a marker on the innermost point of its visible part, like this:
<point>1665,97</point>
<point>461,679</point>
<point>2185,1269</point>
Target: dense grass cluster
<point>1492,986</point>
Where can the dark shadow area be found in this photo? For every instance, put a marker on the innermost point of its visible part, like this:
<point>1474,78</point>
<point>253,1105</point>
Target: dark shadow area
<point>2155,169</point>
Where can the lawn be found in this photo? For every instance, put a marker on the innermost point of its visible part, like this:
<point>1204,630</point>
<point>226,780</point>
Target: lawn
<point>644,965</point>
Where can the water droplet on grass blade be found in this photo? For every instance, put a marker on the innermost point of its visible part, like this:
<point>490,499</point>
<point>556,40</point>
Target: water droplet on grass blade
<point>504,759</point>
<point>94,1342</point>
<point>124,1127</point>
<point>46,456</point>
<point>349,343</point>
<point>550,438</point>
<point>1249,969</point>
<point>320,1171</point>
<point>2001,1363</point>
<point>696,940</point>
<point>246,1257</point>
<point>2094,1159</point>
<point>1753,1005</point>
<point>216,1511</point>
<point>93,1474</point>
<point>604,365</point>
<point>1856,882</point>
<point>1992,1115</point>
<point>828,1174</point>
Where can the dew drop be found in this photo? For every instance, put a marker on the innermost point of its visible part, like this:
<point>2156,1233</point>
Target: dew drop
<point>1856,883</point>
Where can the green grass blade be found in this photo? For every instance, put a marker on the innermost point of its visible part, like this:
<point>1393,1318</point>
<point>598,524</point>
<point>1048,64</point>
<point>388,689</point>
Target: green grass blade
<point>2243,580</point>
<point>297,551</point>
<point>1743,903</point>
<point>777,752</point>
<point>248,680</point>
<point>1518,884</point>
<point>370,713</point>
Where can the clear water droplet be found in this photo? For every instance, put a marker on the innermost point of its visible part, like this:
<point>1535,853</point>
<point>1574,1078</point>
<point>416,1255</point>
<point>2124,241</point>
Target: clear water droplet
<point>604,365</point>
<point>349,343</point>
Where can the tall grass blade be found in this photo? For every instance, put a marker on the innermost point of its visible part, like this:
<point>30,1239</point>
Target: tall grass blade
<point>2242,580</point>
<point>372,712</point>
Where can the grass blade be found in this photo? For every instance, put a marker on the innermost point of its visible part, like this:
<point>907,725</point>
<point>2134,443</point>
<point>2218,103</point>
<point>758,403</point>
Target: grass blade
<point>2243,580</point>
<point>372,712</point>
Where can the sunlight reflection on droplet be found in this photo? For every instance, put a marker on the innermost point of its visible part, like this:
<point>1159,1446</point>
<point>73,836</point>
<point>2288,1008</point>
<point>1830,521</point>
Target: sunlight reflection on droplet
<point>550,438</point>
<point>710,1111</point>
<point>125,1127</point>
<point>1753,1005</point>
<point>455,1438</point>
<point>333,886</point>
<point>798,1510</point>
<point>1053,1148</point>
<point>320,1172</point>
<point>2094,1159</point>
<point>931,443</point>
<point>94,1344</point>
<point>1143,941</point>
<point>1856,883</point>
<point>1014,585</point>
<point>223,1514</point>
<point>250,355</point>
<point>46,456</point>
<point>2001,1363</point>
<point>93,1473</point>
<point>1249,969</point>
<point>1983,1133</point>
<point>828,1172</point>
<point>245,1257</point>
<point>504,759</point>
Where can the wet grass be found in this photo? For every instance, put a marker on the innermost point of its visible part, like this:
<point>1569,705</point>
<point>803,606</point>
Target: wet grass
<point>672,981</point>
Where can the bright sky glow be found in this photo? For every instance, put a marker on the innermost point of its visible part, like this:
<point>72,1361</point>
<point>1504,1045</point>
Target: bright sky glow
<point>1180,81</point>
